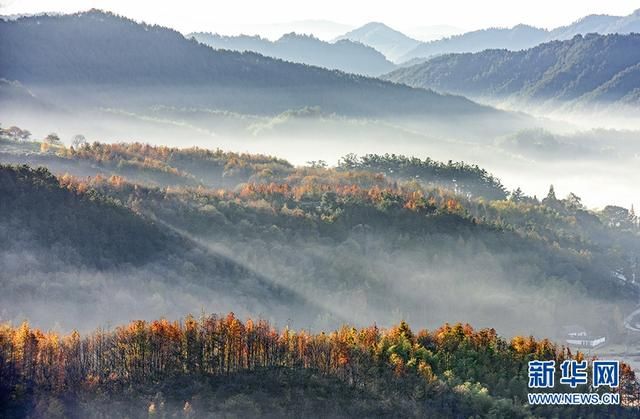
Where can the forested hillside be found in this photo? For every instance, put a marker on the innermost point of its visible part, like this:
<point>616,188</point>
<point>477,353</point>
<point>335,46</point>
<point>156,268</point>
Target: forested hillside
<point>396,234</point>
<point>100,230</point>
<point>68,253</point>
<point>219,365</point>
<point>585,69</point>
<point>151,165</point>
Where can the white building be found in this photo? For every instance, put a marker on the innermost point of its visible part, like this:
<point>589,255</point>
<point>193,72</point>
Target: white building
<point>577,336</point>
<point>586,341</point>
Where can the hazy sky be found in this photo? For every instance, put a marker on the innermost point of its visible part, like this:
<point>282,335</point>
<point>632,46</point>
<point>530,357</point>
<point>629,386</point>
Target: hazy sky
<point>222,15</point>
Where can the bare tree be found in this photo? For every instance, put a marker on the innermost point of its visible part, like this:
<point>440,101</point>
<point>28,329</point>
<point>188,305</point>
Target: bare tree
<point>78,141</point>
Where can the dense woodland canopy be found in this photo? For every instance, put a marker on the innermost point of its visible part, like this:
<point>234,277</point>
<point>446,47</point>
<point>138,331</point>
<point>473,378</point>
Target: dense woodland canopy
<point>125,238</point>
<point>164,368</point>
<point>456,176</point>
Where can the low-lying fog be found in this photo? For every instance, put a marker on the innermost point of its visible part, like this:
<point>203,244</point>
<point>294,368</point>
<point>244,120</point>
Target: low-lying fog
<point>367,278</point>
<point>599,165</point>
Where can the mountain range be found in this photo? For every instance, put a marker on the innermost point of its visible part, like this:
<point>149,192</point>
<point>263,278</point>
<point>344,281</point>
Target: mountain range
<point>406,51</point>
<point>585,69</point>
<point>344,55</point>
<point>103,60</point>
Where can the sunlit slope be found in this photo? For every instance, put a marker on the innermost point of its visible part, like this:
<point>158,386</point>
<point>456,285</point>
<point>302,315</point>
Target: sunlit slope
<point>75,252</point>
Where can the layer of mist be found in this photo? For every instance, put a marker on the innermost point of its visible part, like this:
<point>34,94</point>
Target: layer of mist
<point>596,164</point>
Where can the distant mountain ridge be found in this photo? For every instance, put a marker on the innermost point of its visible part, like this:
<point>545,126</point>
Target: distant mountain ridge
<point>586,69</point>
<point>602,24</point>
<point>109,61</point>
<point>392,43</point>
<point>344,55</point>
<point>515,38</point>
<point>406,51</point>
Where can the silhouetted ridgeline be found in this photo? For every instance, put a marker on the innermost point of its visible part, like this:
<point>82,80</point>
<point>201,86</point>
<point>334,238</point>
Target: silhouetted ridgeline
<point>168,368</point>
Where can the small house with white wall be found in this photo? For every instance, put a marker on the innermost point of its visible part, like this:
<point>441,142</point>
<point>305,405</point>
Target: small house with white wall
<point>578,336</point>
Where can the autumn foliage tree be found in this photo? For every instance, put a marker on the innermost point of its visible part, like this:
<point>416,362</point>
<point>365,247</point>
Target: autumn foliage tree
<point>427,363</point>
